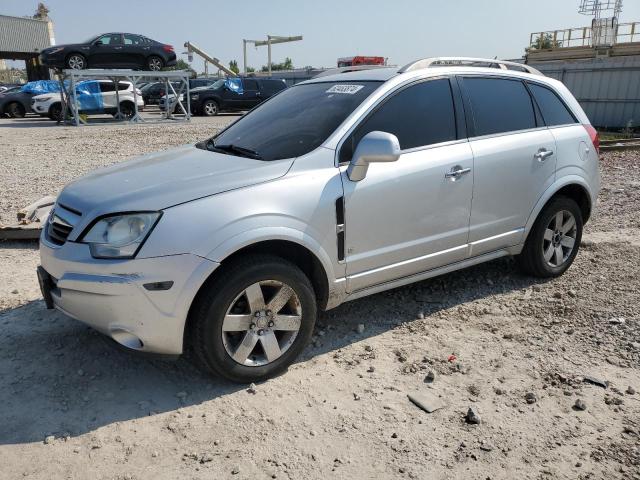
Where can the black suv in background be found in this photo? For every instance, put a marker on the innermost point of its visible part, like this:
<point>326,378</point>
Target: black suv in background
<point>234,94</point>
<point>154,91</point>
<point>111,50</point>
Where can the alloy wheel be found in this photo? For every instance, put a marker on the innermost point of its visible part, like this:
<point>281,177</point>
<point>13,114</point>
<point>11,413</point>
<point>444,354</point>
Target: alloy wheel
<point>210,108</point>
<point>76,62</point>
<point>262,323</point>
<point>155,64</point>
<point>559,238</point>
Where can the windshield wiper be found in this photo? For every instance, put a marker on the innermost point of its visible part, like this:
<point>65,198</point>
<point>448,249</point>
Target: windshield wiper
<point>241,151</point>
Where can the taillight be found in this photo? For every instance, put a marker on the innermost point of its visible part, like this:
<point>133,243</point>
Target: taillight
<point>168,48</point>
<point>593,135</point>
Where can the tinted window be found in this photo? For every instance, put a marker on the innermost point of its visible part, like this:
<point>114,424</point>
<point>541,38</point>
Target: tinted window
<point>419,115</point>
<point>273,86</point>
<point>133,39</point>
<point>499,105</point>
<point>107,87</point>
<point>250,84</point>
<point>111,39</point>
<point>553,110</point>
<point>123,86</point>
<point>298,120</point>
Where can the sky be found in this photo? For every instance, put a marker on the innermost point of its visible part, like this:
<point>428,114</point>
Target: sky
<point>401,30</point>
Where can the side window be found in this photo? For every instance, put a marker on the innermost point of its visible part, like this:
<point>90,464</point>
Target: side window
<point>250,84</point>
<point>107,87</point>
<point>123,86</point>
<point>111,39</point>
<point>499,105</point>
<point>418,115</point>
<point>133,39</point>
<point>554,111</point>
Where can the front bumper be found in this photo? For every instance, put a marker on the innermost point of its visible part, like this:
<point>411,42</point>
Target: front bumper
<point>110,295</point>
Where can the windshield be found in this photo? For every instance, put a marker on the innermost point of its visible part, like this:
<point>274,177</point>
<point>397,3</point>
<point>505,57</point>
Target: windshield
<point>217,84</point>
<point>294,122</point>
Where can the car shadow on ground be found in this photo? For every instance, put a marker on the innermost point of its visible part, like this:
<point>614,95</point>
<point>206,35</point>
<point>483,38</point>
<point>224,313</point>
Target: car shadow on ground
<point>60,377</point>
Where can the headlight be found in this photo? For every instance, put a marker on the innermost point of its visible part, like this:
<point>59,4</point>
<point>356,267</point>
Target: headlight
<point>120,236</point>
<point>54,50</point>
<point>195,97</point>
<point>42,99</point>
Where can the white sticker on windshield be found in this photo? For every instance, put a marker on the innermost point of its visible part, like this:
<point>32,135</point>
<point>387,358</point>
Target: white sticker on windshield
<point>343,88</point>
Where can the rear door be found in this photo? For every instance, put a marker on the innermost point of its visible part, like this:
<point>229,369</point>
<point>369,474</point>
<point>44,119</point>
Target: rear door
<point>252,94</point>
<point>514,160</point>
<point>107,51</point>
<point>411,215</point>
<point>135,49</point>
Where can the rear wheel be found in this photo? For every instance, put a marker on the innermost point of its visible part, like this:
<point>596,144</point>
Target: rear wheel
<point>154,63</point>
<point>16,110</point>
<point>127,110</point>
<point>76,61</point>
<point>210,108</point>
<point>554,240</point>
<point>253,321</point>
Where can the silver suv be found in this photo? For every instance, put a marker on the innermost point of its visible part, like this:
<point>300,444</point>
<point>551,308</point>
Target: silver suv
<point>337,188</point>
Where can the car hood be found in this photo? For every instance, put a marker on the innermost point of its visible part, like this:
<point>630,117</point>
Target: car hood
<point>161,180</point>
<point>64,45</point>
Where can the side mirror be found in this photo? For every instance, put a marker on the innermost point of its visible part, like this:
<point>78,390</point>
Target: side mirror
<point>373,147</point>
<point>97,43</point>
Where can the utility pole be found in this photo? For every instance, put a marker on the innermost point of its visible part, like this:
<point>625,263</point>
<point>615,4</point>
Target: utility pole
<point>271,40</point>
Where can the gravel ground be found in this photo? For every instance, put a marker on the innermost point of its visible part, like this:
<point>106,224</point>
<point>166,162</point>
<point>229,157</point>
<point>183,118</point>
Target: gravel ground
<point>514,349</point>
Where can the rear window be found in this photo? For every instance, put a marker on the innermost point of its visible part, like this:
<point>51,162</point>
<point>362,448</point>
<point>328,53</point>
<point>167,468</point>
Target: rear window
<point>554,111</point>
<point>273,86</point>
<point>296,121</point>
<point>499,105</point>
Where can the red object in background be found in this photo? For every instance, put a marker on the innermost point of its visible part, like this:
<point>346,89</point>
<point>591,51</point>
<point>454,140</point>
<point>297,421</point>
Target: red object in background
<point>593,135</point>
<point>359,60</point>
<point>452,358</point>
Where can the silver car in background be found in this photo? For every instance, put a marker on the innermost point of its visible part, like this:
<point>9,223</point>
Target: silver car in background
<point>337,188</point>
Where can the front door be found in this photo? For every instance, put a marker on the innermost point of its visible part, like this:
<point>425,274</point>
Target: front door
<point>411,215</point>
<point>107,51</point>
<point>135,50</point>
<point>515,161</point>
<point>251,95</point>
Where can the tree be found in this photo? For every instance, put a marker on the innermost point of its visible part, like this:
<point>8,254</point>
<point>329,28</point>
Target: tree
<point>182,65</point>
<point>233,66</point>
<point>545,41</point>
<point>286,65</point>
<point>250,69</point>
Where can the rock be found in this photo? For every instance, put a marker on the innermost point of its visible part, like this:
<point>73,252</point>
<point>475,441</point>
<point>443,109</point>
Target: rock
<point>360,328</point>
<point>371,369</point>
<point>206,458</point>
<point>356,396</point>
<point>472,416</point>
<point>580,404</point>
<point>252,389</point>
<point>235,471</point>
<point>595,381</point>
<point>630,390</point>
<point>427,402</point>
<point>531,398</point>
<point>49,439</point>
<point>572,293</point>
<point>155,454</point>
<point>15,292</point>
<point>394,435</point>
<point>498,391</point>
<point>557,294</point>
<point>617,321</point>
<point>486,446</point>
<point>430,377</point>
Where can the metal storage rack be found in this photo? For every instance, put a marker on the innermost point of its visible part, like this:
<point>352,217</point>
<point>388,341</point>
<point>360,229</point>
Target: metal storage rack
<point>69,94</point>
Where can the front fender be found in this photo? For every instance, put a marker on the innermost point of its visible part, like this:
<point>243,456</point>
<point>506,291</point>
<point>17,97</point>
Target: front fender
<point>551,191</point>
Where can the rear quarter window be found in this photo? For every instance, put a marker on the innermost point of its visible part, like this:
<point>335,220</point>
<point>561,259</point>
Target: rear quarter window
<point>499,105</point>
<point>554,111</point>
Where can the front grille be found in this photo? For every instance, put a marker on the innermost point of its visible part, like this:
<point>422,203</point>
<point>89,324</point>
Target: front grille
<point>58,228</point>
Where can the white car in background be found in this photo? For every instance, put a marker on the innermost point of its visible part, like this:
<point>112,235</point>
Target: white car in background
<point>94,97</point>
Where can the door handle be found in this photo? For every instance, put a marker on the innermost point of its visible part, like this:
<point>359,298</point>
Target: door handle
<point>543,154</point>
<point>117,48</point>
<point>456,172</point>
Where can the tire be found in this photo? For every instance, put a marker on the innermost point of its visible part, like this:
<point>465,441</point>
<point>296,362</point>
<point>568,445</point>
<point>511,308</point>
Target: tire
<point>15,110</point>
<point>554,240</point>
<point>55,112</point>
<point>210,108</point>
<point>76,61</point>
<point>242,355</point>
<point>127,110</point>
<point>154,63</point>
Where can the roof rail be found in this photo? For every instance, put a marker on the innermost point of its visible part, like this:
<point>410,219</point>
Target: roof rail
<point>468,62</point>
<point>353,68</point>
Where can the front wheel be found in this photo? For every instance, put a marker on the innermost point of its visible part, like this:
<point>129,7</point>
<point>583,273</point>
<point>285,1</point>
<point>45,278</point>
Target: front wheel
<point>254,320</point>
<point>210,108</point>
<point>16,110</point>
<point>554,240</point>
<point>55,112</point>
